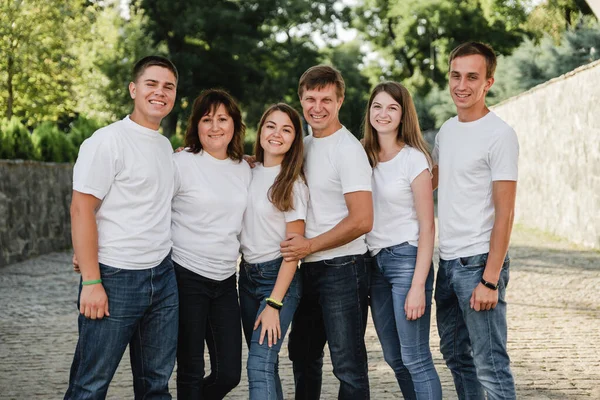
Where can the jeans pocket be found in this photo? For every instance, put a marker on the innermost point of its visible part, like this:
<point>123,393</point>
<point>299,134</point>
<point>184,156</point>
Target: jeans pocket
<point>477,261</point>
<point>269,272</point>
<point>340,261</point>
<point>403,250</point>
<point>107,271</point>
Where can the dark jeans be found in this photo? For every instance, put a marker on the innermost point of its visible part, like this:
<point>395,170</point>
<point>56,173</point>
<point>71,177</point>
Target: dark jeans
<point>143,308</point>
<point>208,311</point>
<point>333,308</point>
<point>473,343</point>
<point>256,284</point>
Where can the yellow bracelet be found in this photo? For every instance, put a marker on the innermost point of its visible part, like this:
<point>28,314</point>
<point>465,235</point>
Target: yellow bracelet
<point>273,301</point>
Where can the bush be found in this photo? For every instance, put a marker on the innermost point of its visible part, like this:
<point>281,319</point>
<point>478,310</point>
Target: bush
<point>52,145</point>
<point>15,140</point>
<point>176,141</point>
<point>81,129</point>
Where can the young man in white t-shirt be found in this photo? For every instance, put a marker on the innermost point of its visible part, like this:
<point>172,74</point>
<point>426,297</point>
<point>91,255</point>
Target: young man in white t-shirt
<point>121,224</point>
<point>476,153</point>
<point>333,307</point>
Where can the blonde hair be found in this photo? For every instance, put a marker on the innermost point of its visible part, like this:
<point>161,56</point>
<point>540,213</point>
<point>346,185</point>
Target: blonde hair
<point>409,130</point>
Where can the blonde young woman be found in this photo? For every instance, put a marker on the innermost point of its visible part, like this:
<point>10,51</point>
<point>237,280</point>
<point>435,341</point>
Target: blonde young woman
<point>270,288</point>
<point>401,242</point>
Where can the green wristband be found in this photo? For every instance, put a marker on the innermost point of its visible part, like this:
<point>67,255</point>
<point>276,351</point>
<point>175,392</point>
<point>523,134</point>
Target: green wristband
<point>85,283</point>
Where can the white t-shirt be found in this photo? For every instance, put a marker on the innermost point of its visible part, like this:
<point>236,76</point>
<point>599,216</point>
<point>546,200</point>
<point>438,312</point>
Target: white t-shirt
<point>129,168</point>
<point>334,165</point>
<point>394,215</point>
<point>264,226</point>
<point>471,155</point>
<point>208,205</point>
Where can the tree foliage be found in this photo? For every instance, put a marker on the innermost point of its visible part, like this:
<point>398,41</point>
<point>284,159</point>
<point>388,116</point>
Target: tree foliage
<point>255,49</point>
<point>37,65</point>
<point>414,37</point>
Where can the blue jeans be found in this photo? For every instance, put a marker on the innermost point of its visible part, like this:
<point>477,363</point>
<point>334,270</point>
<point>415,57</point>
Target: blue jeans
<point>405,343</point>
<point>473,343</point>
<point>143,308</point>
<point>333,308</point>
<point>208,311</point>
<point>256,284</point>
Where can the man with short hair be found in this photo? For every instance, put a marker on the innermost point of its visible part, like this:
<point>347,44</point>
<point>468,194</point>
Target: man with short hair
<point>121,231</point>
<point>477,155</point>
<point>340,211</point>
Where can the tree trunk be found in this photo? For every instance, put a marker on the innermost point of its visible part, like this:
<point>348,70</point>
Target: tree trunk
<point>9,84</point>
<point>169,123</point>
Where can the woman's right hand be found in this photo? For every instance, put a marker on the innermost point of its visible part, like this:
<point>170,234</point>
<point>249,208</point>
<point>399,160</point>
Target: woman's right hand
<point>268,319</point>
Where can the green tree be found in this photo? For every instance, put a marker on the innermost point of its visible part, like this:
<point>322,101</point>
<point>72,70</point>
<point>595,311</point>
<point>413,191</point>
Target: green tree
<point>254,49</point>
<point>106,55</point>
<point>415,37</point>
<point>346,58</point>
<point>36,62</point>
<point>534,63</point>
<point>554,17</point>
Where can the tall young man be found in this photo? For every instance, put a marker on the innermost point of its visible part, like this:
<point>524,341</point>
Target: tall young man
<point>476,153</point>
<point>340,211</point>
<point>121,229</point>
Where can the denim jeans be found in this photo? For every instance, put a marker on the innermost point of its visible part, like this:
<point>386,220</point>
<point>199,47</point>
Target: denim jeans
<point>333,308</point>
<point>473,343</point>
<point>143,308</point>
<point>256,284</point>
<point>405,343</point>
<point>208,311</point>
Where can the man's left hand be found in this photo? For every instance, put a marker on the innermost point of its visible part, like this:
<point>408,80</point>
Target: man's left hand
<point>483,298</point>
<point>295,247</point>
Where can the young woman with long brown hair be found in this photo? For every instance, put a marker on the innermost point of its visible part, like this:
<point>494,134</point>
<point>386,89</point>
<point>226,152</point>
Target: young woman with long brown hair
<point>401,242</point>
<point>270,288</point>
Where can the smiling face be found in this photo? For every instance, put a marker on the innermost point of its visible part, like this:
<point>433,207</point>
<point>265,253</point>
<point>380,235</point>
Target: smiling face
<point>215,131</point>
<point>153,94</point>
<point>385,114</point>
<point>276,137</point>
<point>320,108</point>
<point>469,85</point>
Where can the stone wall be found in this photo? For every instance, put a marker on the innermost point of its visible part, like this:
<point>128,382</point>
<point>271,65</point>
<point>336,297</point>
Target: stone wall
<point>34,209</point>
<point>558,125</point>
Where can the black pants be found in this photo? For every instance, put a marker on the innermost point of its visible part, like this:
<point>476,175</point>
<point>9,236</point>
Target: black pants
<point>208,311</point>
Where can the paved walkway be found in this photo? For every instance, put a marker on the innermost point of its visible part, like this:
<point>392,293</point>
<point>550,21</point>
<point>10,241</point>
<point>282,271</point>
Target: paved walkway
<point>554,328</point>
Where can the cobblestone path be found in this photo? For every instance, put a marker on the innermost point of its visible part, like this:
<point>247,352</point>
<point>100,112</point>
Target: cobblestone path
<point>554,329</point>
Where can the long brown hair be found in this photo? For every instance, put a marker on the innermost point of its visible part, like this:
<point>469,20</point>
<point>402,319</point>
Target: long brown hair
<point>281,193</point>
<point>208,101</point>
<point>409,131</point>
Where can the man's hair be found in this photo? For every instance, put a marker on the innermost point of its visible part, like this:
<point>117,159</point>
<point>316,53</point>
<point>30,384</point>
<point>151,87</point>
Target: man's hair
<point>320,76</point>
<point>151,61</point>
<point>473,48</point>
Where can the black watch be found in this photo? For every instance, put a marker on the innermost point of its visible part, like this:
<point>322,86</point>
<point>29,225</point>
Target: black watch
<point>489,285</point>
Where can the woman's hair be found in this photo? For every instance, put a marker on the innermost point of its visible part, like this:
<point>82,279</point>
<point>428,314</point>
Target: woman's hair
<point>281,193</point>
<point>409,131</point>
<point>208,102</point>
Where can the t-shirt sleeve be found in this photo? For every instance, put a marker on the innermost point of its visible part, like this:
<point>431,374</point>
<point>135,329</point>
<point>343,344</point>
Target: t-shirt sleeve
<point>300,195</point>
<point>97,165</point>
<point>176,177</point>
<point>353,168</point>
<point>504,156</point>
<point>417,163</point>
<point>435,153</point>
